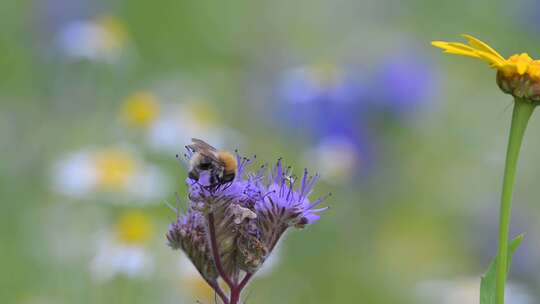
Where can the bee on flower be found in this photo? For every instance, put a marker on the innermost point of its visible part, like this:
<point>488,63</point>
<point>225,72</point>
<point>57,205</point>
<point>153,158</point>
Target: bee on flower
<point>123,249</point>
<point>102,38</point>
<point>113,171</point>
<point>232,226</point>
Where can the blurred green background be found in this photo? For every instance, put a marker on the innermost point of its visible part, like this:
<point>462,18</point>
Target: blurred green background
<point>97,97</point>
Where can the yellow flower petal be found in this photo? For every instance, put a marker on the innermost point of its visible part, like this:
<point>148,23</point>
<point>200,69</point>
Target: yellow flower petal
<point>491,59</point>
<point>455,48</point>
<point>480,45</point>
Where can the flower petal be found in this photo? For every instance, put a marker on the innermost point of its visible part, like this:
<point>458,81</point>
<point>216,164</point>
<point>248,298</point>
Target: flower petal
<point>482,46</point>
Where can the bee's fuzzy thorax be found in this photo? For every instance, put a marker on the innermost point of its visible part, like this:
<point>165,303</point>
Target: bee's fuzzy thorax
<point>229,161</point>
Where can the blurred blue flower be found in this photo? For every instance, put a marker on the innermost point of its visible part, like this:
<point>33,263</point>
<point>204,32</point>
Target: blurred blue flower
<point>401,84</point>
<point>528,15</point>
<point>309,95</point>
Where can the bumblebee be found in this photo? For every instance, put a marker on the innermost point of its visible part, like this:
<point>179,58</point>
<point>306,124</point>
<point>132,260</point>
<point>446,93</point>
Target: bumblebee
<point>221,166</point>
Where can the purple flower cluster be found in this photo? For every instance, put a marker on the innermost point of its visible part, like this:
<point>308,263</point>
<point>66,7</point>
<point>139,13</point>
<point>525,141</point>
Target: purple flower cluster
<point>353,104</point>
<point>230,229</point>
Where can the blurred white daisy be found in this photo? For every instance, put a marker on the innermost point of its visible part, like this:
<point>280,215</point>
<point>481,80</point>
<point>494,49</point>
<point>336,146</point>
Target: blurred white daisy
<point>337,158</point>
<point>123,249</point>
<point>101,38</point>
<point>168,127</point>
<point>116,171</point>
<point>466,291</point>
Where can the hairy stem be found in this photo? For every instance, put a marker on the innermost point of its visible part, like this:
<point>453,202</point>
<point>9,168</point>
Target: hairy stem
<point>235,296</point>
<point>215,285</point>
<point>215,252</point>
<point>522,112</point>
<point>245,280</point>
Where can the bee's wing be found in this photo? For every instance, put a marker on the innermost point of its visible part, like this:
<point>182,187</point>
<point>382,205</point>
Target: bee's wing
<point>203,148</point>
<point>201,145</point>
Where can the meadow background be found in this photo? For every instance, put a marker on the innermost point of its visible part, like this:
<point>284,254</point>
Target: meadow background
<point>97,97</point>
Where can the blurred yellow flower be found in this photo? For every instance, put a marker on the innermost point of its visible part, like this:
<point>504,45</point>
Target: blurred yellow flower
<point>514,74</point>
<point>134,227</point>
<point>326,74</point>
<point>140,109</point>
<point>201,112</point>
<point>114,168</point>
<point>115,32</point>
<point>199,289</point>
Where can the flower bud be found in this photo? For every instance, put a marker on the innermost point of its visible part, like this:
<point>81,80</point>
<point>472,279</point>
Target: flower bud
<point>522,86</point>
<point>189,234</point>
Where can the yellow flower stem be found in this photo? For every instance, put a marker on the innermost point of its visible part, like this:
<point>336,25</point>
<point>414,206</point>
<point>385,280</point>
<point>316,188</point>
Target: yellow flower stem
<point>523,110</point>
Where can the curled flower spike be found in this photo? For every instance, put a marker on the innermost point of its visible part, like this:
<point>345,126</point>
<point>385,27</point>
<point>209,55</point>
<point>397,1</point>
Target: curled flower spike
<point>519,75</point>
<point>231,228</point>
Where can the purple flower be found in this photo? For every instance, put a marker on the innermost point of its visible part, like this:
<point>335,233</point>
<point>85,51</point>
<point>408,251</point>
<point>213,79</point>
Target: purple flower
<point>230,229</point>
<point>401,84</point>
<point>309,95</point>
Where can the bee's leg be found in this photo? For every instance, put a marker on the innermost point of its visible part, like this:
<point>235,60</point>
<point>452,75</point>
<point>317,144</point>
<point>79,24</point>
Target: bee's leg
<point>194,175</point>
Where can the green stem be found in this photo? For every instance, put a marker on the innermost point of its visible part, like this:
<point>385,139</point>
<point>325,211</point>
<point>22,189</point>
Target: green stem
<point>522,112</point>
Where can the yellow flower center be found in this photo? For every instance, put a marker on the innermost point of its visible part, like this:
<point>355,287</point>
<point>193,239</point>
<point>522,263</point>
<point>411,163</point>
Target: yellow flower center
<point>114,168</point>
<point>140,109</point>
<point>134,227</point>
<point>518,63</point>
<point>115,32</point>
<point>534,70</point>
<point>326,75</point>
<point>201,112</point>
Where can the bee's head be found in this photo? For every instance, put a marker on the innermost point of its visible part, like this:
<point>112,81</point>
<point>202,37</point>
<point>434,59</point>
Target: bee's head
<point>228,177</point>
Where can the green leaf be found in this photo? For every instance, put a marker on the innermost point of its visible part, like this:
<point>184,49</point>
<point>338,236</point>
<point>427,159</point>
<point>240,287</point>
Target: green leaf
<point>487,284</point>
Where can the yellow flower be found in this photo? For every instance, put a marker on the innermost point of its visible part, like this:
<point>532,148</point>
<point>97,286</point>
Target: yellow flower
<point>201,111</point>
<point>134,227</point>
<point>140,109</point>
<point>326,75</point>
<point>114,168</point>
<point>519,75</point>
<point>199,289</point>
<point>115,32</point>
